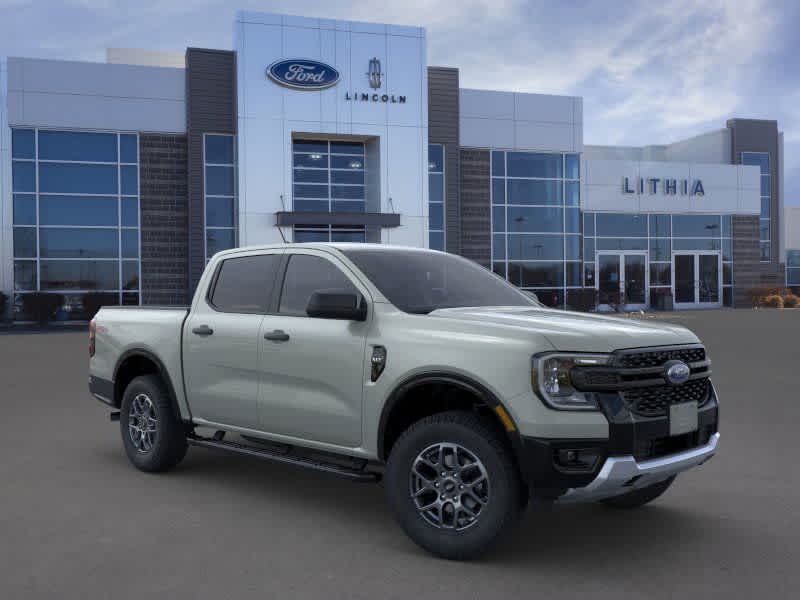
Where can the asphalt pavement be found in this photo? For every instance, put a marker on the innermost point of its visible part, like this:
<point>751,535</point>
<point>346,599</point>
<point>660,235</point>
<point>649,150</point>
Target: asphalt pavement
<point>77,521</point>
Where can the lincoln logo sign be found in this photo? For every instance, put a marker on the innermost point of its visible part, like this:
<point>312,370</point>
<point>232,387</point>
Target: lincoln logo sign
<point>667,186</point>
<point>302,74</point>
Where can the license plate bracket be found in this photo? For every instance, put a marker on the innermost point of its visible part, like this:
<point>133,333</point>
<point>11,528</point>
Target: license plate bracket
<point>682,418</point>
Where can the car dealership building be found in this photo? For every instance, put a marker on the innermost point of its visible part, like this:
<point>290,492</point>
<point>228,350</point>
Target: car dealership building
<point>124,177</point>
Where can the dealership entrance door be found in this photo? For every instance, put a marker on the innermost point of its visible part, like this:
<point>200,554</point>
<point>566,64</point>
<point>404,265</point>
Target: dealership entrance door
<point>622,280</point>
<point>697,279</point>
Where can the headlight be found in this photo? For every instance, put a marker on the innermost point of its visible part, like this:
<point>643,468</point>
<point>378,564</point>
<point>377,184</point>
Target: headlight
<point>550,376</point>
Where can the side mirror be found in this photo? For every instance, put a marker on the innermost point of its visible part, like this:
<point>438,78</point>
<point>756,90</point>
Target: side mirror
<point>337,305</point>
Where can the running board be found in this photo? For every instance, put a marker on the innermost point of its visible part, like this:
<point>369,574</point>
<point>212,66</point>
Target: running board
<point>352,474</point>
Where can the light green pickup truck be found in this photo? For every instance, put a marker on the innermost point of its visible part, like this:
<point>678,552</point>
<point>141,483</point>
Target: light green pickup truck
<point>423,369</point>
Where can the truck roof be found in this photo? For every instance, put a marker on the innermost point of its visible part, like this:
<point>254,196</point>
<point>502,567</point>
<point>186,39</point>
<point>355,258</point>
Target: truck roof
<point>342,246</point>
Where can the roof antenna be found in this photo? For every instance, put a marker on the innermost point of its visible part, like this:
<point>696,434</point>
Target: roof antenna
<point>280,229</point>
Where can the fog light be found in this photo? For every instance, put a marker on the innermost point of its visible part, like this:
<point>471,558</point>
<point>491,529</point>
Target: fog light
<point>577,459</point>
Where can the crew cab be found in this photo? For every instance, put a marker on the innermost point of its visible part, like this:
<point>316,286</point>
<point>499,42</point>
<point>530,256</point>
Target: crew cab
<point>422,369</point>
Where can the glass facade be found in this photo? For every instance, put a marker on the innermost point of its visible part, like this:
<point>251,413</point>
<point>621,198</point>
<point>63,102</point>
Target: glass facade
<point>436,196</point>
<point>793,268</point>
<point>75,216</point>
<point>761,160</point>
<point>659,235</point>
<point>328,176</point>
<point>536,235</point>
<point>219,166</point>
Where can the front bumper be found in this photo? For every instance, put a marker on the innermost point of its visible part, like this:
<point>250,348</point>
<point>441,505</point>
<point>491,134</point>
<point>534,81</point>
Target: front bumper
<point>622,474</point>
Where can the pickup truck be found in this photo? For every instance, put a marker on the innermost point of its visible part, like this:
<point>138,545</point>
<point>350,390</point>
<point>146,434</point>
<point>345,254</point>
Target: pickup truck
<point>422,369</point>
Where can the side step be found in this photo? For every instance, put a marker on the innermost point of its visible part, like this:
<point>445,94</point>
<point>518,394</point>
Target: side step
<point>352,474</point>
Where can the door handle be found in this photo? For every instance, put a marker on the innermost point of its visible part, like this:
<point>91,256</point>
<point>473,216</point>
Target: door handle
<point>203,330</point>
<point>279,335</point>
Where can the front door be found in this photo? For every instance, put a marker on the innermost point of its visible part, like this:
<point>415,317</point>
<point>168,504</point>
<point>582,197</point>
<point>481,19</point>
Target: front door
<point>697,279</point>
<point>622,279</point>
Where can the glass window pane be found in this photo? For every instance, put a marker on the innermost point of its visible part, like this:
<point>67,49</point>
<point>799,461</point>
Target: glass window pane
<point>358,177</point>
<point>498,163</point>
<point>498,191</point>
<point>531,164</point>
<point>588,249</point>
<point>25,275</point>
<point>347,206</point>
<point>310,146</point>
<point>660,249</point>
<point>763,228</point>
<point>765,185</point>
<point>436,187</point>
<point>338,162</point>
<point>219,149</point>
<point>76,145</point>
<point>759,159</point>
<point>435,158</point>
<point>696,225</point>
<point>765,208</point>
<point>499,268</point>
<point>25,242</point>
<point>727,249</point>
<point>348,192</point>
<point>573,166</point>
<point>588,274</point>
<point>218,240</point>
<point>793,277</point>
<point>539,220</point>
<point>23,176</point>
<point>660,274</point>
<point>306,275</point>
<point>347,148</point>
<point>314,160</point>
<point>77,179</point>
<point>79,275</point>
<point>793,258</point>
<point>572,189</point>
<point>572,220</point>
<point>727,226</point>
<point>219,212</point>
<point>535,247</point>
<point>130,212</point>
<point>245,284</point>
<point>588,224</point>
<point>765,251</point>
<point>436,216</point>
<point>660,226</point>
<point>23,144</point>
<point>319,235</point>
<point>129,180</point>
<point>573,274</point>
<point>621,243</point>
<point>623,225</point>
<point>311,175</point>
<point>219,181</point>
<point>128,148</point>
<point>311,205</point>
<point>499,247</point>
<point>24,209</point>
<point>77,210</point>
<point>727,273</point>
<point>695,244</point>
<point>78,243</point>
<point>533,274</point>
<point>130,274</point>
<point>522,191</point>
<point>310,191</point>
<point>358,237</point>
<point>498,218</point>
<point>572,245</point>
<point>436,240</point>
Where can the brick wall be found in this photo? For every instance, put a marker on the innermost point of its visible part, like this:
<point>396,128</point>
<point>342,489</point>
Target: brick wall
<point>164,219</point>
<point>476,216</point>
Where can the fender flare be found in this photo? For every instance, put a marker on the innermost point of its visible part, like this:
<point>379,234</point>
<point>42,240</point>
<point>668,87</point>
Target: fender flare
<point>162,372</point>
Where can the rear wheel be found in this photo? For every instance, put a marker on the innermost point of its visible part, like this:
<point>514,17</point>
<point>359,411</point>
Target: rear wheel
<point>639,497</point>
<point>154,438</point>
<point>452,484</point>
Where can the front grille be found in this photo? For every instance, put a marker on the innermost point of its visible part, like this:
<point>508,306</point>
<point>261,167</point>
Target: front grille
<point>655,358</point>
<point>654,401</point>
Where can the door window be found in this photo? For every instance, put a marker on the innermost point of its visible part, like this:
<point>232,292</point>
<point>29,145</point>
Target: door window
<point>244,284</point>
<point>307,274</point>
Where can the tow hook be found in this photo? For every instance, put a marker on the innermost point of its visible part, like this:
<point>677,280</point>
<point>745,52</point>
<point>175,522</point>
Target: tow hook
<point>114,416</point>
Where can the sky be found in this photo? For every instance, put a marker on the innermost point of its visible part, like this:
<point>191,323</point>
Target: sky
<point>649,72</point>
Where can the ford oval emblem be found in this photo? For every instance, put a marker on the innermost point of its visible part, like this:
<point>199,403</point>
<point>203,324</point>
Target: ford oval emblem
<point>677,372</point>
<point>303,74</point>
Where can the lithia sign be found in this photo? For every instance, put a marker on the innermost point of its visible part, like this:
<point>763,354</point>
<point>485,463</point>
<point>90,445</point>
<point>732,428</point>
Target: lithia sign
<point>306,74</point>
<point>667,186</point>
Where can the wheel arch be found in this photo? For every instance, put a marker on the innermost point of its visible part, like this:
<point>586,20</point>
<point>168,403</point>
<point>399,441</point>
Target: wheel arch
<point>138,361</point>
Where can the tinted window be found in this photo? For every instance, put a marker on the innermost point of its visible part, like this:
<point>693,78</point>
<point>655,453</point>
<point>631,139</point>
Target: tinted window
<point>524,191</point>
<point>528,164</point>
<point>219,149</point>
<point>77,210</point>
<point>24,209</point>
<point>306,275</point>
<point>77,179</point>
<point>23,176</point>
<point>419,282</point>
<point>535,247</point>
<point>219,181</point>
<point>72,145</point>
<point>219,212</point>
<point>244,285</point>
<point>22,143</point>
<point>80,275</point>
<point>128,152</point>
<point>696,225</point>
<point>435,158</point>
<point>539,220</point>
<point>218,240</point>
<point>59,242</point>
<point>498,163</point>
<point>621,225</point>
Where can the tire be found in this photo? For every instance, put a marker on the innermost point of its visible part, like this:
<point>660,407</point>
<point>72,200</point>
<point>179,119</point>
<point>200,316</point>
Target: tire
<point>164,446</point>
<point>639,497</point>
<point>447,530</point>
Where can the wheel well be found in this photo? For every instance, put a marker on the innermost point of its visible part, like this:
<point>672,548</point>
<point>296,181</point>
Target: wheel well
<point>134,366</point>
<point>423,399</point>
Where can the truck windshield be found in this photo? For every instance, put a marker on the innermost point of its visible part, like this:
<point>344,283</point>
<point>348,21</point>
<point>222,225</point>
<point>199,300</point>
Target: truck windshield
<point>420,282</point>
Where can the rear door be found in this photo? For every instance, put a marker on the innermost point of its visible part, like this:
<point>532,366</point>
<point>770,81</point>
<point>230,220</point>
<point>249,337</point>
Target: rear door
<point>312,370</point>
<point>221,340</point>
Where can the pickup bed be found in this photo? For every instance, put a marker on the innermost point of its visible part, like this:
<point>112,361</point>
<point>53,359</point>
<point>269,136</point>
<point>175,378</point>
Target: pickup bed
<point>420,368</point>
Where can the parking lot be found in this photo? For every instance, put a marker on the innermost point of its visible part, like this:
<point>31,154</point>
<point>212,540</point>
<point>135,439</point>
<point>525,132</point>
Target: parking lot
<point>77,521</point>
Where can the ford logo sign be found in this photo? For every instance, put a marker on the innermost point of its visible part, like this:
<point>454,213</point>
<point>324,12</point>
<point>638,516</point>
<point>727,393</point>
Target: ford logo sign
<point>303,74</point>
<point>677,372</point>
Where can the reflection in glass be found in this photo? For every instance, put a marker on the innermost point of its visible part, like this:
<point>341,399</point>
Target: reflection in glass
<point>79,275</point>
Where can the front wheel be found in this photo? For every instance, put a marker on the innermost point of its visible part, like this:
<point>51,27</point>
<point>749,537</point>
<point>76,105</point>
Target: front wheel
<point>452,484</point>
<point>154,438</point>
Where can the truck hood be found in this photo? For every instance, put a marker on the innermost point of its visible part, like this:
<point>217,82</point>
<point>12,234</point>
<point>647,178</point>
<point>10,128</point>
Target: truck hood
<point>576,332</point>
